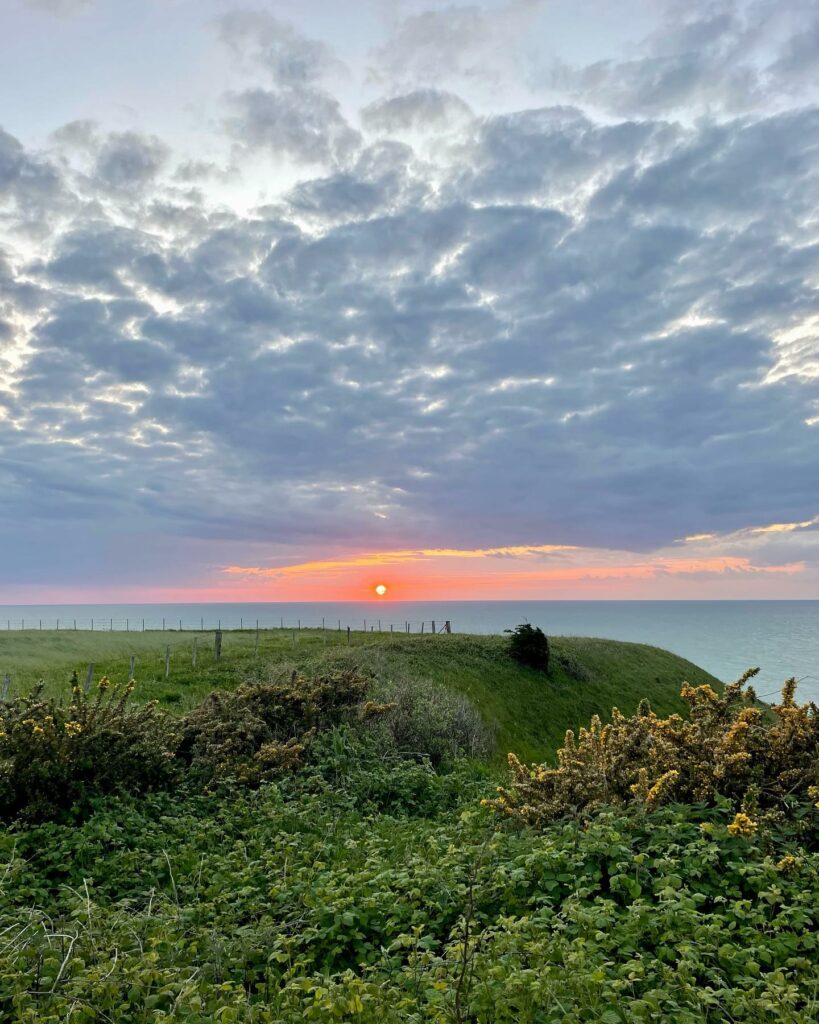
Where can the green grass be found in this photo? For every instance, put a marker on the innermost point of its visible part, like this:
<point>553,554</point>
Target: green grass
<point>529,712</point>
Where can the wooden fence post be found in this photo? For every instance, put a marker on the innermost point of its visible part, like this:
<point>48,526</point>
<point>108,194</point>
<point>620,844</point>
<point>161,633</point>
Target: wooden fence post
<point>422,625</point>
<point>89,677</point>
<point>194,651</point>
<point>348,636</point>
<point>6,686</point>
<point>433,625</point>
<point>256,645</point>
<point>217,644</point>
<point>447,626</point>
<point>167,661</point>
<point>131,670</point>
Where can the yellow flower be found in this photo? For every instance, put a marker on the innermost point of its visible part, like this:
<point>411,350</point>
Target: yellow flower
<point>742,825</point>
<point>73,728</point>
<point>788,864</point>
<point>104,683</point>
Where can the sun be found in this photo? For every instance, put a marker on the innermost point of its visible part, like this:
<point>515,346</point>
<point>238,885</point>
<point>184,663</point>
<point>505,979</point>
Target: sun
<point>381,589</point>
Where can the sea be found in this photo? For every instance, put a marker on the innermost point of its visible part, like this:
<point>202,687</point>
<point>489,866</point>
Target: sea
<point>781,638</point>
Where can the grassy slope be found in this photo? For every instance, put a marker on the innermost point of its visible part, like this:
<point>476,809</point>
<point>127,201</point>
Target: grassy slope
<point>529,712</point>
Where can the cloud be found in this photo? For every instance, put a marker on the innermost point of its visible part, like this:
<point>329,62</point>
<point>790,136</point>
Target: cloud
<point>292,114</point>
<point>419,110</point>
<point>494,333</point>
<point>458,41</point>
<point>129,160</point>
<point>725,57</point>
<point>305,125</point>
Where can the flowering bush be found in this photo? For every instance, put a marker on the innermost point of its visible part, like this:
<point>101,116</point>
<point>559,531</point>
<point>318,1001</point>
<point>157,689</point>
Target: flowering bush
<point>53,755</point>
<point>260,729</point>
<point>726,747</point>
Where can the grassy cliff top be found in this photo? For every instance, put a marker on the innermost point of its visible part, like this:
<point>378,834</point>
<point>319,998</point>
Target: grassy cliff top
<point>528,711</point>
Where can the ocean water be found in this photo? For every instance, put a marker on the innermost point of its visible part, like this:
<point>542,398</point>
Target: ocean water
<point>724,637</point>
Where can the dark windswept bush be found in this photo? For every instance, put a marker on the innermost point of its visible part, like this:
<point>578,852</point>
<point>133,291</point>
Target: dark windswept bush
<point>260,729</point>
<point>529,646</point>
<point>764,763</point>
<point>54,756</point>
<point>426,720</point>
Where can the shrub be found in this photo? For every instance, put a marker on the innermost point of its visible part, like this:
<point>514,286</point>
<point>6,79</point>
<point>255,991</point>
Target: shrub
<point>727,747</point>
<point>260,729</point>
<point>55,755</point>
<point>423,719</point>
<point>529,646</point>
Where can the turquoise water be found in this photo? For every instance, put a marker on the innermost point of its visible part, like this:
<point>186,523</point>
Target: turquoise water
<point>724,637</point>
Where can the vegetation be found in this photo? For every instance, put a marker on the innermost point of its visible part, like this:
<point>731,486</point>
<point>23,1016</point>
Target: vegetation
<point>727,748</point>
<point>320,849</point>
<point>529,646</point>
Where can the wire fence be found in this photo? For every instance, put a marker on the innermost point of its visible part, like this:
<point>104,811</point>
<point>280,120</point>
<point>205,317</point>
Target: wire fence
<point>203,625</point>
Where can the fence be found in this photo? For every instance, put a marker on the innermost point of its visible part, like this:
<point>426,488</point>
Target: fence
<point>203,625</point>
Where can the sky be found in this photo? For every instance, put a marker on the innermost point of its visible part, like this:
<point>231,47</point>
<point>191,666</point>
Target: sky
<point>507,299</point>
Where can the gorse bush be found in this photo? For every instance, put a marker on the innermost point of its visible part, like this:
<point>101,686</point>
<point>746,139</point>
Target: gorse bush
<point>54,755</point>
<point>529,646</point>
<point>261,729</point>
<point>727,748</point>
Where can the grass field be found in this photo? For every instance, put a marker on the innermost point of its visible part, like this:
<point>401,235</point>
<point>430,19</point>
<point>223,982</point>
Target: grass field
<point>528,712</point>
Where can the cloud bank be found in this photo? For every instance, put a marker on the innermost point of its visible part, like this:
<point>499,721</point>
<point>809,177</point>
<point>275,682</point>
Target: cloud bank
<point>587,322</point>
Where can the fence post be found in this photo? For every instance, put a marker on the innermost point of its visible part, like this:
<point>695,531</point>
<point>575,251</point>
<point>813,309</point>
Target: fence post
<point>58,625</point>
<point>217,642</point>
<point>111,625</point>
<point>202,624</point>
<point>6,686</point>
<point>180,625</point>
<point>447,626</point>
<point>127,625</point>
<point>348,636</point>
<point>167,661</point>
<point>92,625</point>
<point>143,625</point>
<point>256,645</point>
<point>194,652</point>
<point>391,627</point>
<point>379,625</point>
<point>133,663</point>
<point>433,625</point>
<point>89,677</point>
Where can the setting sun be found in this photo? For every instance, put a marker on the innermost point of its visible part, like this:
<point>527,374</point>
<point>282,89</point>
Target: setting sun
<point>381,589</point>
